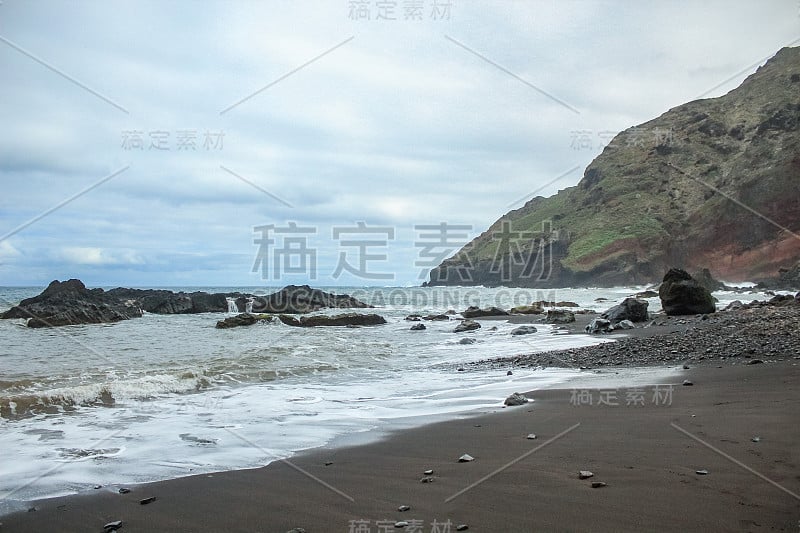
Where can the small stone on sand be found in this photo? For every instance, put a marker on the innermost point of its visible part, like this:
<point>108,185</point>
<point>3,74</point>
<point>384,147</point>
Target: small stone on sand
<point>426,480</point>
<point>112,526</point>
<point>404,508</point>
<point>428,472</point>
<point>701,472</point>
<point>687,383</point>
<point>756,439</point>
<point>585,474</point>
<point>462,527</point>
<point>531,436</point>
<point>401,523</point>
<point>124,491</point>
<point>465,458</point>
<point>145,501</point>
<point>597,484</point>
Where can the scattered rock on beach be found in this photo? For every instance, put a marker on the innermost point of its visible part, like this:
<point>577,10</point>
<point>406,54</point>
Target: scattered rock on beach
<point>466,458</point>
<point>344,319</point>
<point>466,325</point>
<point>145,501</point>
<point>404,508</point>
<point>598,325</point>
<point>624,324</point>
<point>585,474</point>
<point>462,527</point>
<point>418,327</point>
<point>701,472</point>
<point>296,530</point>
<point>124,491</point>
<point>524,330</point>
<point>426,479</point>
<point>428,472</point>
<point>401,524</point>
<point>509,373</point>
<point>559,316</point>
<point>598,484</point>
<point>516,399</point>
<point>531,436</point>
<point>687,383</point>
<point>755,439</point>
<point>755,362</point>
<point>533,309</point>
<point>631,309</point>
<point>243,319</point>
<point>112,526</point>
<point>467,340</point>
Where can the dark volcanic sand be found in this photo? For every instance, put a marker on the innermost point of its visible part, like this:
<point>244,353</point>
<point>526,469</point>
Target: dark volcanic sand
<point>639,451</point>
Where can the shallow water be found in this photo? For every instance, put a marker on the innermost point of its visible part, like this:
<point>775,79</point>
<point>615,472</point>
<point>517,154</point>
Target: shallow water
<point>169,395</point>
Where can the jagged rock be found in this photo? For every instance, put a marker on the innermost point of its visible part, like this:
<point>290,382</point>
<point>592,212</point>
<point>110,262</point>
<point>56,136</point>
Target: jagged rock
<point>598,325</point>
<point>418,327</point>
<point>682,295</point>
<point>244,319</point>
<point>299,299</point>
<point>516,399</point>
<point>475,312</point>
<point>704,278</point>
<point>646,294</point>
<point>466,325</point>
<point>631,309</point>
<point>345,319</point>
<point>524,330</point>
<point>533,309</point>
<point>70,303</point>
<point>559,316</point>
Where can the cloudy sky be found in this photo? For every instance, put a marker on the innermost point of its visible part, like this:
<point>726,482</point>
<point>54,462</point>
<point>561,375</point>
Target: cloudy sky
<point>155,144</point>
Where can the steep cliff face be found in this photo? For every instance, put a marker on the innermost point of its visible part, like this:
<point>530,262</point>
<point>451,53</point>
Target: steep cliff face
<point>712,183</point>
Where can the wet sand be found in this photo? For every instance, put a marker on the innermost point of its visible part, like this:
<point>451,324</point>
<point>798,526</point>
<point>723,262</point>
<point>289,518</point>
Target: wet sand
<point>646,452</point>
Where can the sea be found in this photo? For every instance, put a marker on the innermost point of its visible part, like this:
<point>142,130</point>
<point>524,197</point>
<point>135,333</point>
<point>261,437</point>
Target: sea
<point>98,407</point>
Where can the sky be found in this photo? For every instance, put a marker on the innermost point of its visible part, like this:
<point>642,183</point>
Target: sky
<point>260,144</point>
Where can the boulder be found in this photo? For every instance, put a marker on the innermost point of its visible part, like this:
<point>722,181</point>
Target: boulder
<point>345,319</point>
<point>516,399</point>
<point>523,330</point>
<point>682,295</point>
<point>466,325</point>
<point>475,312</point>
<point>559,316</point>
<point>624,324</point>
<point>631,309</point>
<point>70,303</point>
<point>598,325</point>
<point>418,327</point>
<point>436,317</point>
<point>244,319</point>
<point>533,309</point>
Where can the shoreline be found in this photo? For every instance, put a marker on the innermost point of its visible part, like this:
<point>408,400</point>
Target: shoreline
<point>381,469</point>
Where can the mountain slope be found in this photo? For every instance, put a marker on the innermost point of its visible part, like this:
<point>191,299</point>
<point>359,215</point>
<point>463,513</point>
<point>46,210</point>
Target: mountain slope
<point>712,183</point>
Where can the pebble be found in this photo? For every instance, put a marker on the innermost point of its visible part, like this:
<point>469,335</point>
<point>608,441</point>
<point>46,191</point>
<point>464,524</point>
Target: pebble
<point>404,508</point>
<point>427,479</point>
<point>531,436</point>
<point>328,463</point>
<point>465,458</point>
<point>509,373</point>
<point>462,527</point>
<point>145,501</point>
<point>112,526</point>
<point>585,474</point>
<point>428,472</point>
<point>401,523</point>
<point>598,484</point>
<point>124,491</point>
<point>686,367</point>
<point>297,530</point>
<point>701,472</point>
<point>756,439</point>
<point>97,487</point>
<point>687,383</point>
<point>460,369</point>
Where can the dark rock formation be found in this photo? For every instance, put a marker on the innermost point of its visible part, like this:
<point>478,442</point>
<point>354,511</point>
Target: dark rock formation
<point>345,319</point>
<point>164,302</point>
<point>533,309</point>
<point>418,327</point>
<point>559,316</point>
<point>69,303</point>
<point>466,325</point>
<point>682,295</point>
<point>788,280</point>
<point>667,192</point>
<point>476,312</point>
<point>523,330</point>
<point>244,319</point>
<point>631,309</point>
<point>598,325</point>
<point>303,299</point>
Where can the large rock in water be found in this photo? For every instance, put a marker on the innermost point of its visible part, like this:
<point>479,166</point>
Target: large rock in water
<point>631,309</point>
<point>295,299</point>
<point>70,303</point>
<point>243,319</point>
<point>345,319</point>
<point>164,302</point>
<point>682,295</point>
